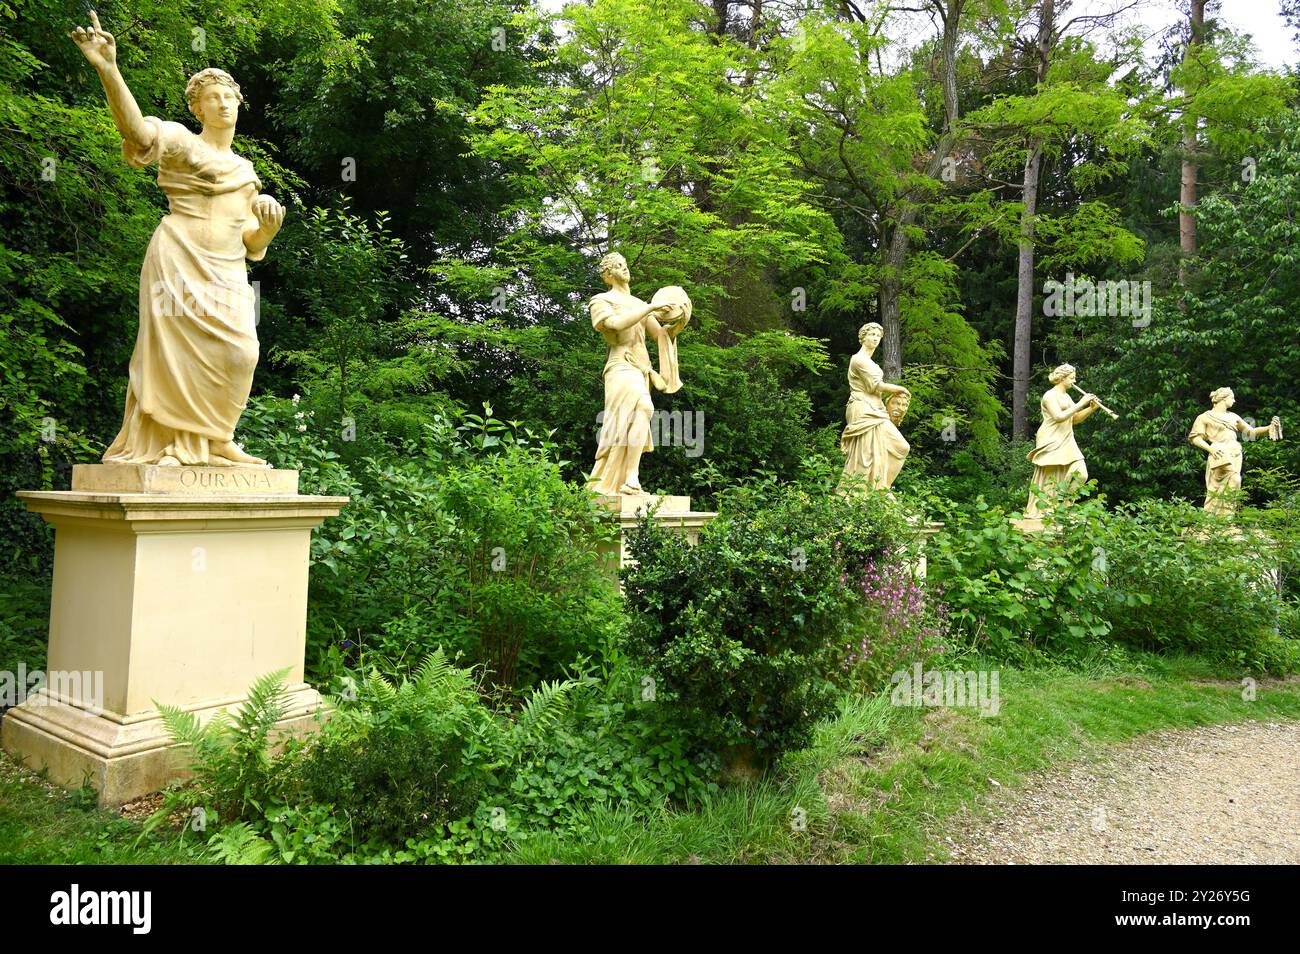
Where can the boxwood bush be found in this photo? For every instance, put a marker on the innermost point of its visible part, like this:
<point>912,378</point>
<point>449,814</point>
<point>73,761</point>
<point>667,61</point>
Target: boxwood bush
<point>741,632</point>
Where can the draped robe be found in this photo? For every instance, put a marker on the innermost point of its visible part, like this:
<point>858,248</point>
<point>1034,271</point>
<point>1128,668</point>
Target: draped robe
<point>873,447</point>
<point>196,347</point>
<point>1056,456</point>
<point>1222,473</point>
<point>628,408</point>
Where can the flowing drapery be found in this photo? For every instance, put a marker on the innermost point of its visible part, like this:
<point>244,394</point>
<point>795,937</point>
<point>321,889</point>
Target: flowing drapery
<point>196,347</point>
<point>874,449</point>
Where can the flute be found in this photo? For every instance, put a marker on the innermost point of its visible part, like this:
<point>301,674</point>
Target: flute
<point>1113,415</point>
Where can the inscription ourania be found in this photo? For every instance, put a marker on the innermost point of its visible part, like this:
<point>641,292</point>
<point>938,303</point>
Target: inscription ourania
<point>226,479</point>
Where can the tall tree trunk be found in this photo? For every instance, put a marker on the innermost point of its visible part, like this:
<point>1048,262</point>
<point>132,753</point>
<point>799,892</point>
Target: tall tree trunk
<point>1187,194</point>
<point>1024,331</point>
<point>894,256</point>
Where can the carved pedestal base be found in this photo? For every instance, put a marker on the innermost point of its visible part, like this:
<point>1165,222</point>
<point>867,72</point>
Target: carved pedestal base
<point>674,513</point>
<point>176,585</point>
<point>917,549</point>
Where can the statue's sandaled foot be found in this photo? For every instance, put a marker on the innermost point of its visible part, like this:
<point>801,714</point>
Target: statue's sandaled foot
<point>167,460</point>
<point>229,454</point>
<point>631,489</point>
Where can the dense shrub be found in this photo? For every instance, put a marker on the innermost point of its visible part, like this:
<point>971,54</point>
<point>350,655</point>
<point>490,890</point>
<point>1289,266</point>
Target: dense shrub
<point>399,760</point>
<point>1022,596</point>
<point>614,746</point>
<point>1181,580</point>
<point>469,540</point>
<point>24,622</point>
<point>1152,575</point>
<point>741,632</point>
<point>421,769</point>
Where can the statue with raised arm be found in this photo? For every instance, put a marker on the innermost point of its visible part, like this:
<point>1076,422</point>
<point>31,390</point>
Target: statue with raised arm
<point>1056,456</point>
<point>624,320</point>
<point>873,447</point>
<point>196,346</point>
<point>1215,432</point>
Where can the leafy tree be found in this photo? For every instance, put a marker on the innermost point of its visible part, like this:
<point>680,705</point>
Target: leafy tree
<point>1223,99</point>
<point>1072,99</point>
<point>1239,329</point>
<point>861,131</point>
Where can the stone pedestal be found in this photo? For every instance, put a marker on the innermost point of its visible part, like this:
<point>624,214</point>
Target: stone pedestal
<point>674,513</point>
<point>1028,524</point>
<point>176,585</point>
<point>924,532</point>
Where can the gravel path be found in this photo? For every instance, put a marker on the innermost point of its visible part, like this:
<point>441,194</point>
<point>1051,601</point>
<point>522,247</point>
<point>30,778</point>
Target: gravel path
<point>1226,794</point>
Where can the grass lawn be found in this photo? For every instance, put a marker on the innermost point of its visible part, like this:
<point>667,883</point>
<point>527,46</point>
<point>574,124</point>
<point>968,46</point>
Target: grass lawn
<point>41,824</point>
<point>875,787</point>
<point>879,781</point>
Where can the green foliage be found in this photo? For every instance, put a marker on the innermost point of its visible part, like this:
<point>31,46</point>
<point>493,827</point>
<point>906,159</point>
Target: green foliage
<point>611,745</point>
<point>381,109</point>
<point>235,775</point>
<point>471,541</point>
<point>240,844</point>
<point>652,151</point>
<point>1156,576</point>
<point>865,141</point>
<point>24,623</point>
<point>399,760</point>
<point>345,268</point>
<point>1181,580</point>
<point>739,630</point>
<point>420,769</point>
<point>1022,596</point>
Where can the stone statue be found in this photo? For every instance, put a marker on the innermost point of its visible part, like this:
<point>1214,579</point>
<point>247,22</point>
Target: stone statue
<point>1215,432</point>
<point>196,347</point>
<point>1056,456</point>
<point>874,449</point>
<point>624,320</point>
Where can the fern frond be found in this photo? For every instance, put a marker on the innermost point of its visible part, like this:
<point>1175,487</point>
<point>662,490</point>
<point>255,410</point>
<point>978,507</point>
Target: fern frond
<point>239,844</point>
<point>200,742</point>
<point>267,702</point>
<point>546,704</point>
<point>435,672</point>
<point>380,689</point>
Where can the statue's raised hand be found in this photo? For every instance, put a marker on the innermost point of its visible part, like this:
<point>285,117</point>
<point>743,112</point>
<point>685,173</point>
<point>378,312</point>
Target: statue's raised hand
<point>96,43</point>
<point>269,214</point>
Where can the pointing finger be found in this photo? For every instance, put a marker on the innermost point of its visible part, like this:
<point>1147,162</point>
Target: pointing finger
<point>94,20</point>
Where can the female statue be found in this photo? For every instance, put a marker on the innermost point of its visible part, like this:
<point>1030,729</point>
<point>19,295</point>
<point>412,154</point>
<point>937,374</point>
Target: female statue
<point>196,347</point>
<point>1056,456</point>
<point>873,447</point>
<point>1215,432</point>
<point>623,320</point>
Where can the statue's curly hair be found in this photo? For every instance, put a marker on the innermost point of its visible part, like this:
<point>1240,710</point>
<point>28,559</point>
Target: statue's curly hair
<point>205,78</point>
<point>1219,394</point>
<point>607,262</point>
<point>870,326</point>
<point>1060,373</point>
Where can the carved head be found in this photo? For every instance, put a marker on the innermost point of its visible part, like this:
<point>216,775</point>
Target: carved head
<point>869,335</point>
<point>214,98</point>
<point>1063,374</point>
<point>1223,394</point>
<point>614,266</point>
<point>896,407</point>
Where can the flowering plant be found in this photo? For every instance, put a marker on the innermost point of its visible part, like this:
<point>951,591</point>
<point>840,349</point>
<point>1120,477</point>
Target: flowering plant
<point>904,621</point>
